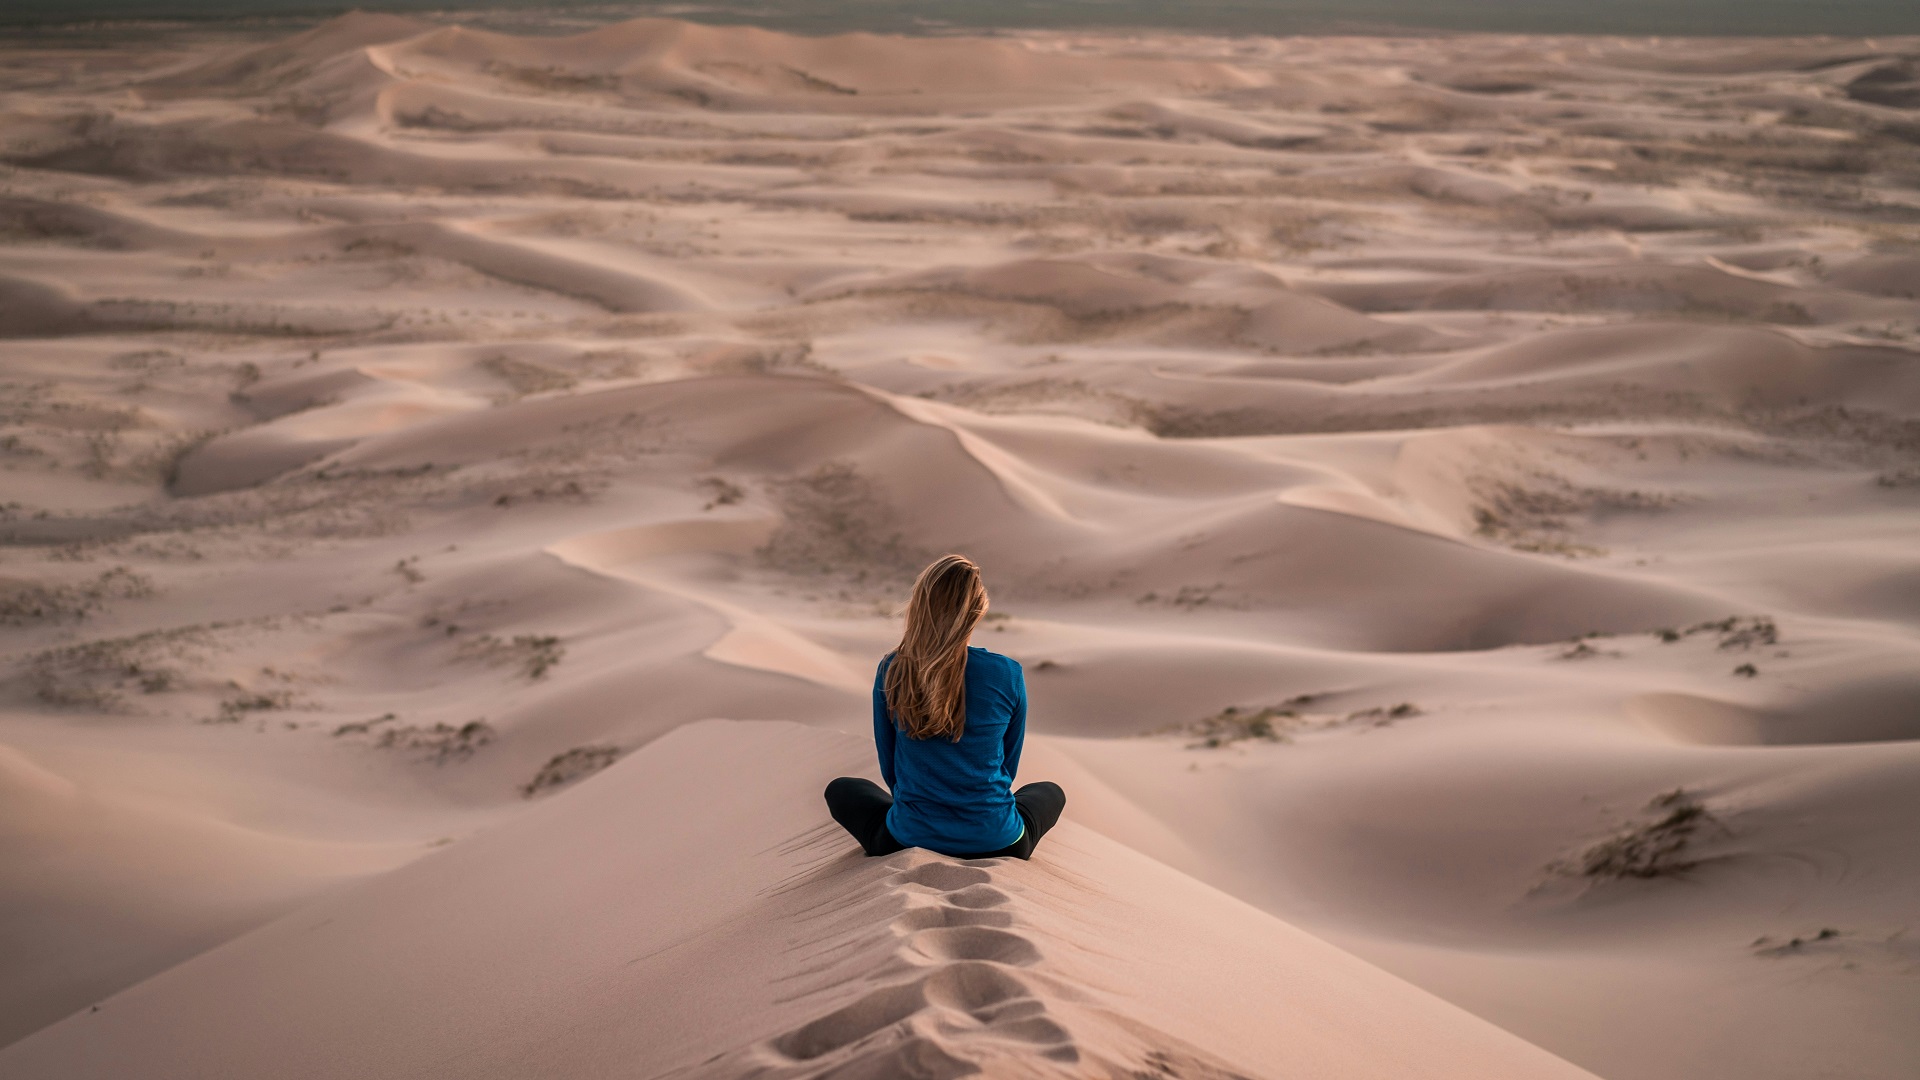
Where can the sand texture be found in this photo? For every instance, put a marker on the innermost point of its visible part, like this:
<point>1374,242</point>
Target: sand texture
<point>1456,500</point>
<point>567,944</point>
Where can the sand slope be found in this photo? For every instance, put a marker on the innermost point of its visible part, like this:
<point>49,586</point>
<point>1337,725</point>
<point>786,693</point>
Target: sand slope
<point>569,943</point>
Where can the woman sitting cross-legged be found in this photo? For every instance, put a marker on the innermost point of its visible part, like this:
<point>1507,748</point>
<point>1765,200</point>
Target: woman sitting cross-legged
<point>948,721</point>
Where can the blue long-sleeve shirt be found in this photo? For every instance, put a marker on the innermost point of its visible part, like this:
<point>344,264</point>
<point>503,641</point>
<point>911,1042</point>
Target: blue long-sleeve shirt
<point>957,797</point>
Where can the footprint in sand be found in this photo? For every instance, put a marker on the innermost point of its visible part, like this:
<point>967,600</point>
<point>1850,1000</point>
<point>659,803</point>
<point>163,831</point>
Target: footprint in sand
<point>967,1002</point>
<point>949,979</point>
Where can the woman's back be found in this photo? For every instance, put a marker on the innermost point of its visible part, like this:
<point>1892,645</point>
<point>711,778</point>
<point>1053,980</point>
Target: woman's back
<point>952,796</point>
<point>948,724</point>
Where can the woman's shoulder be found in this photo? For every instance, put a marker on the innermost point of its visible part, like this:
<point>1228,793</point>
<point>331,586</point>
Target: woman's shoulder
<point>991,660</point>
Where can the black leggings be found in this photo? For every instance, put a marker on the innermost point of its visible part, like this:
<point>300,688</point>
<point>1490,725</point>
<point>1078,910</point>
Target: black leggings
<point>860,806</point>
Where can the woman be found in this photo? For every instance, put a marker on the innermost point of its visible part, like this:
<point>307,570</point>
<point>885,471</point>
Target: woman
<point>949,721</point>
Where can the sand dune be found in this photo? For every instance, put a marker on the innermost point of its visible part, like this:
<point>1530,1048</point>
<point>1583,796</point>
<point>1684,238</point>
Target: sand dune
<point>117,887</point>
<point>829,964</point>
<point>1453,498</point>
<point>1101,298</point>
<point>1634,288</point>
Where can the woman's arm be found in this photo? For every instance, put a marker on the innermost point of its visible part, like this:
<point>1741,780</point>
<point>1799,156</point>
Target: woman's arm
<point>883,730</point>
<point>1017,726</point>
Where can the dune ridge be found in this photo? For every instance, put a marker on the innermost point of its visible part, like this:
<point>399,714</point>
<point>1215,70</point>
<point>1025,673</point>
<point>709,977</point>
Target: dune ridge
<point>836,965</point>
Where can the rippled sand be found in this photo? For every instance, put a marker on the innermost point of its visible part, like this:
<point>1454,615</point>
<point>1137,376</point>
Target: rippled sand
<point>1459,496</point>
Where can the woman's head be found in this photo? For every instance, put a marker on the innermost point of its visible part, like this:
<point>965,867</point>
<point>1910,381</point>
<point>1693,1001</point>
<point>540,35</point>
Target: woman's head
<point>926,680</point>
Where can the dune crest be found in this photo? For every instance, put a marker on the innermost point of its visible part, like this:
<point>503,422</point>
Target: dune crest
<point>1095,961</point>
<point>752,640</point>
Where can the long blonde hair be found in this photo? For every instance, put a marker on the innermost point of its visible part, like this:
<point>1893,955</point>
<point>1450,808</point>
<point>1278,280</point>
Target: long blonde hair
<point>927,678</point>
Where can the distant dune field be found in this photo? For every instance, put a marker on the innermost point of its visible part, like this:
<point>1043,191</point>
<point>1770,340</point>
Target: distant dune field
<point>1456,501</point>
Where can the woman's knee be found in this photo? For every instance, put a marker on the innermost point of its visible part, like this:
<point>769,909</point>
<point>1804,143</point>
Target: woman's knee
<point>1043,791</point>
<point>849,788</point>
<point>1044,800</point>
